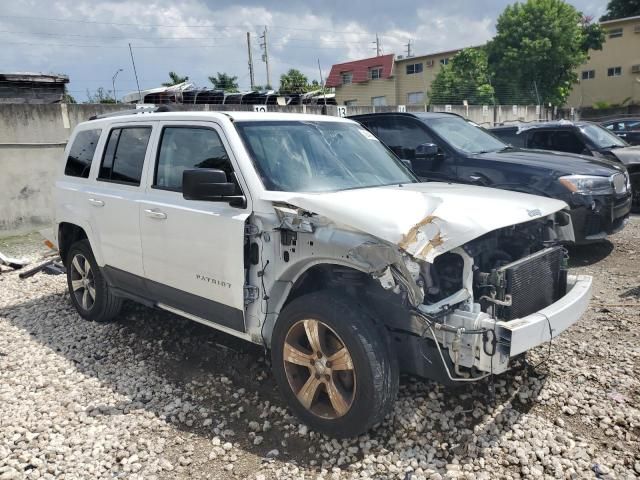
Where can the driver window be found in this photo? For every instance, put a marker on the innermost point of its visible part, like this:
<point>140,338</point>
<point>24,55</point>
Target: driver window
<point>567,141</point>
<point>186,148</point>
<point>402,135</point>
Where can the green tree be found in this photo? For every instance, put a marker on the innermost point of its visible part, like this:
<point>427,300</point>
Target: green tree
<point>223,81</point>
<point>537,47</point>
<point>466,77</point>
<point>294,81</point>
<point>621,9</point>
<point>100,96</point>
<point>175,79</point>
<point>592,34</point>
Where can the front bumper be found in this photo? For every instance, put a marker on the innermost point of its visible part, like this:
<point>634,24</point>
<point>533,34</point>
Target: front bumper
<point>595,217</point>
<point>518,336</point>
<point>513,337</point>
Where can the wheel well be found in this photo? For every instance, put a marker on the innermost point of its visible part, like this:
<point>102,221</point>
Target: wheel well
<point>68,234</point>
<point>324,277</point>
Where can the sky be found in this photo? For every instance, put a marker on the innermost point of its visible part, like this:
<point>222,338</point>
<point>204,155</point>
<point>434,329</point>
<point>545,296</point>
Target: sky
<point>88,40</point>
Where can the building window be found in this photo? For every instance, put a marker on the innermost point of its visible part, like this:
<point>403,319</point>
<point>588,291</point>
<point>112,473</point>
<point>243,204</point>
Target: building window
<point>614,72</point>
<point>414,68</point>
<point>375,73</point>
<point>351,103</point>
<point>415,98</point>
<point>347,78</point>
<point>444,61</point>
<point>379,101</point>
<point>615,32</point>
<point>588,74</point>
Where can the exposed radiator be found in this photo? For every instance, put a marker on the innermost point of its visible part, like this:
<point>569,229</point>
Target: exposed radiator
<point>533,282</point>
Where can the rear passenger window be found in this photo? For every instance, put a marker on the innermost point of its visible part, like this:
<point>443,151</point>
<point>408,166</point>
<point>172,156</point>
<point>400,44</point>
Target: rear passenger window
<point>124,155</point>
<point>81,153</point>
<point>186,148</point>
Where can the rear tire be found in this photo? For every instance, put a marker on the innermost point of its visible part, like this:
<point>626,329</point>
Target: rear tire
<point>88,289</point>
<point>333,364</point>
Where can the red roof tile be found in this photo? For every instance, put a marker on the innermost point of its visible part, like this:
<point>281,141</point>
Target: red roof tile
<point>360,69</point>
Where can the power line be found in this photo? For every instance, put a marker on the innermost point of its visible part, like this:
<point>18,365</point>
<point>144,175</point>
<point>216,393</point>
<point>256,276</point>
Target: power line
<point>208,25</point>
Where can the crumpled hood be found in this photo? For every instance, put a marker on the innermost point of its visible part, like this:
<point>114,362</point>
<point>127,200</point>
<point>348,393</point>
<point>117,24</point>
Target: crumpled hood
<point>627,155</point>
<point>423,219</point>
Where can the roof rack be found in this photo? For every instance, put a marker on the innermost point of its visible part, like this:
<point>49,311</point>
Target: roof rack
<point>133,111</point>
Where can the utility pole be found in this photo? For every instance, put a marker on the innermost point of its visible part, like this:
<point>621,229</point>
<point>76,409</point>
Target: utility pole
<point>250,61</point>
<point>136,74</point>
<point>113,84</point>
<point>408,49</point>
<point>265,55</point>
<point>377,42</point>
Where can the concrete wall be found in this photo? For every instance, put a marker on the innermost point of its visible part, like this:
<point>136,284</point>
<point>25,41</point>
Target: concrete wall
<point>32,141</point>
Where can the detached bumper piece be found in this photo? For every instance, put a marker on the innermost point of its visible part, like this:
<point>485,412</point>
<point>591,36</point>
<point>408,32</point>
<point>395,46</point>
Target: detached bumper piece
<point>517,336</point>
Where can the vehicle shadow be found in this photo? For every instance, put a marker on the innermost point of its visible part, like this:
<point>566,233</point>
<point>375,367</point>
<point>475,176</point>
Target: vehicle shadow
<point>151,357</point>
<point>585,255</point>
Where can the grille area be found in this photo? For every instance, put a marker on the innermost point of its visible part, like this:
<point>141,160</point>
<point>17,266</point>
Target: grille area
<point>619,183</point>
<point>533,282</point>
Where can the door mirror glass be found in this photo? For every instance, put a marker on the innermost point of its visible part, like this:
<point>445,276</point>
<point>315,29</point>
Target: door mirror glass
<point>208,184</point>
<point>426,150</point>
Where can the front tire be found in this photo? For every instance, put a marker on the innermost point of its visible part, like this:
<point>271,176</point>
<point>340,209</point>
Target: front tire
<point>333,364</point>
<point>88,289</point>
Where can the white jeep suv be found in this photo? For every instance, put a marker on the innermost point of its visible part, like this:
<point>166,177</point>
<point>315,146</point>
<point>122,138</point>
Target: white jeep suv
<point>307,235</point>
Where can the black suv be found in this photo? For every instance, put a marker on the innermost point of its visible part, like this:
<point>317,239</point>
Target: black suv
<point>626,128</point>
<point>445,147</point>
<point>585,138</point>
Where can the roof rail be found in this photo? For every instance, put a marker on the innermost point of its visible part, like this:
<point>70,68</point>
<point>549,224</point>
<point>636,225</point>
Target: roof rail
<point>133,111</point>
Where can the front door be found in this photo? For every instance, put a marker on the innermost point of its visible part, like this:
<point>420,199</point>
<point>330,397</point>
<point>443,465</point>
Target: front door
<point>193,251</point>
<point>403,134</point>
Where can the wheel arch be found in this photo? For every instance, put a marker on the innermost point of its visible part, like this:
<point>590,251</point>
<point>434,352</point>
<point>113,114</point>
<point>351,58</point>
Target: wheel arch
<point>69,232</point>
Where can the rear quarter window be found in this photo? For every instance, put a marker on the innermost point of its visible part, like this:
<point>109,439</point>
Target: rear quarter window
<point>81,153</point>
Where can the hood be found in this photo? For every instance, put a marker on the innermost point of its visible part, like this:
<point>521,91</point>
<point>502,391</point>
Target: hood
<point>423,219</point>
<point>627,155</point>
<point>561,163</point>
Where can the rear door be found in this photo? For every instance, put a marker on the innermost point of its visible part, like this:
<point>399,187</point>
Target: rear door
<point>193,250</point>
<point>114,196</point>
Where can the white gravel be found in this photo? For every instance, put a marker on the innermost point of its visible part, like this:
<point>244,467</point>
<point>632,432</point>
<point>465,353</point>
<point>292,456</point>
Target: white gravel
<point>156,396</point>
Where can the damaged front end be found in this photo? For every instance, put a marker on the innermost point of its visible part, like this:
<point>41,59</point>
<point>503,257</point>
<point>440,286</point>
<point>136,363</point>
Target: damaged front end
<point>488,300</point>
<point>461,291</point>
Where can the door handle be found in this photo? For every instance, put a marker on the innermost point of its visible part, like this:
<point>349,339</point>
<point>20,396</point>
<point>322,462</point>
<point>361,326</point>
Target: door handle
<point>157,214</point>
<point>96,203</point>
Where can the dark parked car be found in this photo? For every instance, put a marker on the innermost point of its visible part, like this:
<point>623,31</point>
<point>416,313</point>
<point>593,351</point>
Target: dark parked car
<point>444,147</point>
<point>585,138</point>
<point>626,128</point>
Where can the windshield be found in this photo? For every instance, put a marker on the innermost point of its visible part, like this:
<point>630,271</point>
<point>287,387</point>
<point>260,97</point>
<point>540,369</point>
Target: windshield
<point>300,156</point>
<point>464,136</point>
<point>601,137</point>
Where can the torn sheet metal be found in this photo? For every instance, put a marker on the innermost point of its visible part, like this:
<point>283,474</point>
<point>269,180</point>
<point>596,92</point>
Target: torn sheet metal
<point>423,219</point>
<point>293,219</point>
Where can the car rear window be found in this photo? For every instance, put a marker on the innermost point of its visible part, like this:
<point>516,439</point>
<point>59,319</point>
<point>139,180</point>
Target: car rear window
<point>81,153</point>
<point>124,155</point>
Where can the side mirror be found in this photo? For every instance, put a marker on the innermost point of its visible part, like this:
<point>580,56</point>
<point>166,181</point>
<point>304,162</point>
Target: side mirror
<point>209,184</point>
<point>426,150</point>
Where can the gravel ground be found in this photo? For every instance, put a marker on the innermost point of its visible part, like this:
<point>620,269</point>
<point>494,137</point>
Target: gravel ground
<point>156,396</point>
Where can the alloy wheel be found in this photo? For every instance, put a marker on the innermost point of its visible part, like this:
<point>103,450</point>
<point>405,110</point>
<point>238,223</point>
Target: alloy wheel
<point>319,369</point>
<point>83,282</point>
